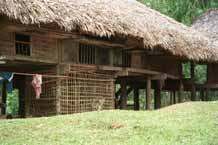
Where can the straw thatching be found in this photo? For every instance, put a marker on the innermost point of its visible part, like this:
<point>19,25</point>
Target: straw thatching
<point>111,18</point>
<point>208,24</point>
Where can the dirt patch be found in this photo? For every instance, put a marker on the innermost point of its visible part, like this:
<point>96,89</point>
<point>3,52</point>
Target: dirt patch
<point>115,126</point>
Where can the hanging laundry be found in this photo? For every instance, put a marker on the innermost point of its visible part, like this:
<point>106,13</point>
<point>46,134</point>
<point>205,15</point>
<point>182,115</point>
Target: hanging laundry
<point>7,76</point>
<point>36,83</point>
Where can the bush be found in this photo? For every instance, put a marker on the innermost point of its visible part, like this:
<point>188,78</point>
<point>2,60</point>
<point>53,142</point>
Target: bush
<point>12,104</point>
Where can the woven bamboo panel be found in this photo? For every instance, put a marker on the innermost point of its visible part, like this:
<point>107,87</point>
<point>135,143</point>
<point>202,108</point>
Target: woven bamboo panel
<point>83,92</point>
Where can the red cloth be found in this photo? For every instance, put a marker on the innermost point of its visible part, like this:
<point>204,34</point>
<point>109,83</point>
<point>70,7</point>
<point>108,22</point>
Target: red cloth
<point>36,83</point>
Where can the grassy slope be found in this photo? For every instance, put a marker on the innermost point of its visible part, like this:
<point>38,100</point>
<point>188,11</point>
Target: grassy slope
<point>188,123</point>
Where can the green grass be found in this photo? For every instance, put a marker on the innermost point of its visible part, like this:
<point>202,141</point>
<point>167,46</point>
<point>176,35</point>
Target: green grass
<point>188,124</point>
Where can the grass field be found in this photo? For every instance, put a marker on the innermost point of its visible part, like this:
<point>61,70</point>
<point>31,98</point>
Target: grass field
<point>182,124</point>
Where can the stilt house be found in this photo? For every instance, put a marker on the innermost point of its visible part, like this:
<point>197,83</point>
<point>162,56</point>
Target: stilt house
<point>207,24</point>
<point>84,48</point>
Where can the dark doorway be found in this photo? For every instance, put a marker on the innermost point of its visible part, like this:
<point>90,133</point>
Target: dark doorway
<point>19,84</point>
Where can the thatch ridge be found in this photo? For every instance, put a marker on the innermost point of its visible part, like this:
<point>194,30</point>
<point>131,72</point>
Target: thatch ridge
<point>111,18</point>
<point>207,23</point>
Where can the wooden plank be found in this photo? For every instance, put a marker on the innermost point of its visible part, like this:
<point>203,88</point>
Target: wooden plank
<point>148,94</point>
<point>29,59</point>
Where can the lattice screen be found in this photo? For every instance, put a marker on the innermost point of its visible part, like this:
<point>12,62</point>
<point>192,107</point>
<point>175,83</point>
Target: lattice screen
<point>78,91</point>
<point>83,92</point>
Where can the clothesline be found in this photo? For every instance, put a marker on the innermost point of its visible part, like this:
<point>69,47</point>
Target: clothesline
<point>59,76</point>
<point>43,75</point>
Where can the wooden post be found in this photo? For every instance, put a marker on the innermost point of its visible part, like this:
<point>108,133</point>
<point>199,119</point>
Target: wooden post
<point>123,96</point>
<point>202,95</point>
<point>157,95</point>
<point>174,97</point>
<point>148,94</point>
<point>136,99</point>
<point>207,95</point>
<point>193,89</point>
<point>4,98</point>
<point>171,97</point>
<point>59,70</point>
<point>180,91</point>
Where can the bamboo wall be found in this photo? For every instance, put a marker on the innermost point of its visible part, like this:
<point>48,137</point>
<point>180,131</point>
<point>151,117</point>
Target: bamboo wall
<point>83,92</point>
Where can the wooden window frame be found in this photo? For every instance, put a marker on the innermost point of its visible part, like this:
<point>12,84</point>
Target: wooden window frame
<point>22,42</point>
<point>84,59</point>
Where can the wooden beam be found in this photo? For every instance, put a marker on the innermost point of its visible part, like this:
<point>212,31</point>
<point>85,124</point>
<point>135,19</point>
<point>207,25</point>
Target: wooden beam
<point>27,59</point>
<point>137,71</point>
<point>148,94</point>
<point>117,94</point>
<point>159,77</point>
<point>61,34</point>
<point>136,99</point>
<point>106,44</point>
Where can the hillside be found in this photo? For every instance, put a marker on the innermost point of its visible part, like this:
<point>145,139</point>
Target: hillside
<point>187,123</point>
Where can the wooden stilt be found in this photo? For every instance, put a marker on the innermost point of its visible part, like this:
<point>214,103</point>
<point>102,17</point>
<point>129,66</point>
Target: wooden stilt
<point>193,91</point>
<point>180,92</point>
<point>136,99</point>
<point>4,98</point>
<point>207,95</point>
<point>157,95</point>
<point>148,94</point>
<point>123,95</point>
<point>171,97</point>
<point>202,95</point>
<point>174,97</point>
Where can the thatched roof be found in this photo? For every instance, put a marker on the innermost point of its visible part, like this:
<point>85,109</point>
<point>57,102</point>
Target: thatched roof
<point>111,18</point>
<point>208,24</point>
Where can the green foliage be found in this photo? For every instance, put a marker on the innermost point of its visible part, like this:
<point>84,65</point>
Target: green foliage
<point>186,72</point>
<point>201,74</point>
<point>12,103</point>
<point>185,11</point>
<point>183,124</point>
